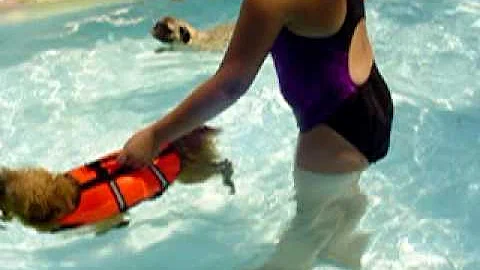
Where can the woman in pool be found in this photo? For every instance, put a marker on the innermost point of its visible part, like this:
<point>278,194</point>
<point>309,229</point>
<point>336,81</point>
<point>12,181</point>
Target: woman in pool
<point>326,69</point>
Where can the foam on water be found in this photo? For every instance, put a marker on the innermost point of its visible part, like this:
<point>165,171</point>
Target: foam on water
<point>74,87</point>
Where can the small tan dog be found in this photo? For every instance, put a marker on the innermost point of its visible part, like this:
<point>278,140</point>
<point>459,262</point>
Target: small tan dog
<point>40,199</point>
<point>181,35</point>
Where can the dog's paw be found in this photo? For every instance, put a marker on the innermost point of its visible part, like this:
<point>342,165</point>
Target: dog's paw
<point>123,223</point>
<point>226,168</point>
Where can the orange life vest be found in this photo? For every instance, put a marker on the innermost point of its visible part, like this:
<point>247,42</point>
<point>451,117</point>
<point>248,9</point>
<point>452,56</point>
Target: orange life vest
<point>108,189</point>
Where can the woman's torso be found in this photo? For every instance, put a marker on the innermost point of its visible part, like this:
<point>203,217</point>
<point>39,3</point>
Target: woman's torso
<point>323,48</point>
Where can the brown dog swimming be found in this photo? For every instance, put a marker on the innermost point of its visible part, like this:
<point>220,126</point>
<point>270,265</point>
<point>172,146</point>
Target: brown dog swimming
<point>182,35</point>
<point>100,192</point>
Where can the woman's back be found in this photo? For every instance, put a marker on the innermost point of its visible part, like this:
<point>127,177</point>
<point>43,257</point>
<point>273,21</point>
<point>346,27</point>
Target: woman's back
<point>322,19</point>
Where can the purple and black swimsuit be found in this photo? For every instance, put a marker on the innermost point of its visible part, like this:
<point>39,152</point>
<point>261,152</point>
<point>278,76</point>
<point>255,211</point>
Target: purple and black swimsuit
<point>315,81</point>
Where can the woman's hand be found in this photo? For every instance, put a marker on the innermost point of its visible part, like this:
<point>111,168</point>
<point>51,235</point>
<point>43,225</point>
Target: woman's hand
<point>140,149</point>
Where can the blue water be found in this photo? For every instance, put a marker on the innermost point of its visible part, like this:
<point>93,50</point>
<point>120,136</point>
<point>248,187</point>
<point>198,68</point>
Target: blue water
<point>75,86</point>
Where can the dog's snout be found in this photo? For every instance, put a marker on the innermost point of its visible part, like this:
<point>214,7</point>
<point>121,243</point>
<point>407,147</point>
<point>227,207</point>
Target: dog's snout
<point>162,28</point>
<point>162,32</point>
<point>167,30</point>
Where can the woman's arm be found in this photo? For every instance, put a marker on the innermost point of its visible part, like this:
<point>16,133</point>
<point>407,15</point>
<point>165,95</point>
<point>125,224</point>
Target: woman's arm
<point>258,25</point>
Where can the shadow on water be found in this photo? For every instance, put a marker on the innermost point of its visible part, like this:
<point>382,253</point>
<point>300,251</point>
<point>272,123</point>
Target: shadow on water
<point>118,251</point>
<point>165,238</point>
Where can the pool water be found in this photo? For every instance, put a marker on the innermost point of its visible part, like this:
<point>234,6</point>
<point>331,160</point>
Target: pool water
<point>76,85</point>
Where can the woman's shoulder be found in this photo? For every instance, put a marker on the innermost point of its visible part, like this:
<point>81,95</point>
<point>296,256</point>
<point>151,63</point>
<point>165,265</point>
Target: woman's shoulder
<point>269,4</point>
<point>296,9</point>
<point>268,9</point>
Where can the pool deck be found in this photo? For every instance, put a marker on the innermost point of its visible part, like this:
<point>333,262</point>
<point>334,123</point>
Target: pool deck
<point>16,11</point>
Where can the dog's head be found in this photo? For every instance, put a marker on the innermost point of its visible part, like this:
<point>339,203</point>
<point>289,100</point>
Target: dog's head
<point>173,30</point>
<point>35,196</point>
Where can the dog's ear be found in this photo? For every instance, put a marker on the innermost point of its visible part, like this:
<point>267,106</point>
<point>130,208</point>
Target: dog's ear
<point>185,34</point>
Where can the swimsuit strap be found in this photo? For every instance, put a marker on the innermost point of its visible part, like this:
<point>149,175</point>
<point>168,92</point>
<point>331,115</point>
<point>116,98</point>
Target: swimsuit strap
<point>355,13</point>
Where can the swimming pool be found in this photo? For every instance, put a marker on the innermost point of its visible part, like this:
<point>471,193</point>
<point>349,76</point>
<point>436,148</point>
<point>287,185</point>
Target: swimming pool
<point>77,85</point>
